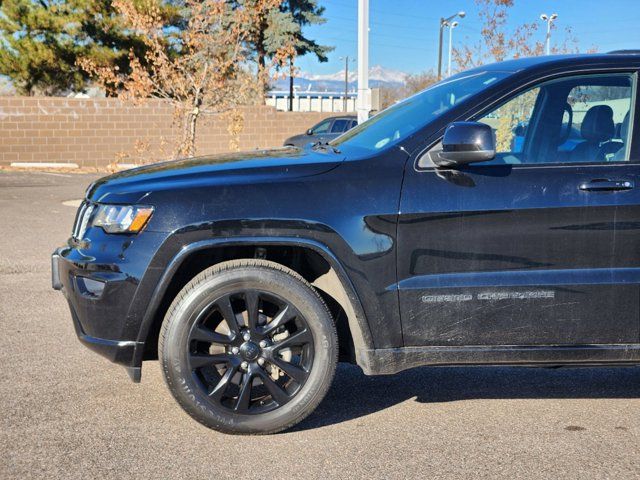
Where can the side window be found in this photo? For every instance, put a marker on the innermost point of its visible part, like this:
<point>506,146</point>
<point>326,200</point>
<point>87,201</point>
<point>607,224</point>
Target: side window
<point>510,122</point>
<point>322,127</point>
<point>583,119</point>
<point>353,123</point>
<point>339,125</point>
<point>601,113</point>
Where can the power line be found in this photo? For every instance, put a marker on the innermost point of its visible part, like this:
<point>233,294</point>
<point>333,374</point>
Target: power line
<point>382,24</point>
<point>377,44</point>
<point>375,32</point>
<point>382,12</point>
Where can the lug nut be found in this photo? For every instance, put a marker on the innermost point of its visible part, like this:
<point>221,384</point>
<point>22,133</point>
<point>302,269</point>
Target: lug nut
<point>244,365</point>
<point>261,361</point>
<point>235,350</point>
<point>263,343</point>
<point>246,336</point>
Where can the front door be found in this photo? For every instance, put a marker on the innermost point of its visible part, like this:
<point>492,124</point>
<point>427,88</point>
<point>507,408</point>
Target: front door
<point>540,246</point>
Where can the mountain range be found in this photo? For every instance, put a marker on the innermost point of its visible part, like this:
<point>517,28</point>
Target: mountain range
<point>334,82</point>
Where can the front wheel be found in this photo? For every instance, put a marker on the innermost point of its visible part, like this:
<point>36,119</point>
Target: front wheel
<point>248,347</point>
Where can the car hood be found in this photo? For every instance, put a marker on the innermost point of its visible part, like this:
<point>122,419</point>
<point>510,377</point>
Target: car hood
<point>132,186</point>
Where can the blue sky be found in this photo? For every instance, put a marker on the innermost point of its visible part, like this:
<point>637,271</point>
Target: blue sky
<point>404,33</point>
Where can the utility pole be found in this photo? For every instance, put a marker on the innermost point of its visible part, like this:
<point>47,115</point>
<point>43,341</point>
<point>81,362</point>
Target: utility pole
<point>346,81</point>
<point>549,20</point>
<point>444,22</point>
<point>291,84</point>
<point>451,27</point>
<point>364,94</point>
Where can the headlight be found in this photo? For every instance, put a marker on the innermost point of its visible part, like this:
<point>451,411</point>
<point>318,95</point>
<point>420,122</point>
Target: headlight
<point>121,218</point>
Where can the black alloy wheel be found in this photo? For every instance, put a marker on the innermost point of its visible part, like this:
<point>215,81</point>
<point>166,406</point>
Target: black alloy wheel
<point>248,346</point>
<point>250,351</point>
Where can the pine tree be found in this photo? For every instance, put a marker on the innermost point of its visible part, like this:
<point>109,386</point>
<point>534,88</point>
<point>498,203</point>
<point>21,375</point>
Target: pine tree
<point>41,41</point>
<point>307,12</point>
<point>280,29</point>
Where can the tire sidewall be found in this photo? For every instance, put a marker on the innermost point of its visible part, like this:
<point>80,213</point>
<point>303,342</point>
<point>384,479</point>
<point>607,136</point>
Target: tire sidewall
<point>175,349</point>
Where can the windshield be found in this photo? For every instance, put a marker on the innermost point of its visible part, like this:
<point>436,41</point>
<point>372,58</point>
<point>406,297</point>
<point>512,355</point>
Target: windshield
<point>402,119</point>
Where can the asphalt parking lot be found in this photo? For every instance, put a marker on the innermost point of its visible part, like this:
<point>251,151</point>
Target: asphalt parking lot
<point>67,413</point>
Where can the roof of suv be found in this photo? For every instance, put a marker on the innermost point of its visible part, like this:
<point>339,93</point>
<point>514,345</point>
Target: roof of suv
<point>620,56</point>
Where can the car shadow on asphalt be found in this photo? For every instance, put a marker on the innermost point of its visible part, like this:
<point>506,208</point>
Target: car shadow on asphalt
<point>355,395</point>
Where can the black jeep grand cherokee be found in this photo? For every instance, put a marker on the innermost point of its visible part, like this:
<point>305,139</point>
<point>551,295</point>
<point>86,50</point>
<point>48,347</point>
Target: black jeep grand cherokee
<point>491,219</point>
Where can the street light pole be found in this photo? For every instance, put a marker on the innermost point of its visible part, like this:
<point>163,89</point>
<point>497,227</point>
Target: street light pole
<point>451,27</point>
<point>549,20</point>
<point>444,22</point>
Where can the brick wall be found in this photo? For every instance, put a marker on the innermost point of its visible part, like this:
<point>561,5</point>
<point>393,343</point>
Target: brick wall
<point>94,132</point>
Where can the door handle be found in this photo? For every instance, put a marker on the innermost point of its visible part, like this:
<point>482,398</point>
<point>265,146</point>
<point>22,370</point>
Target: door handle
<point>605,185</point>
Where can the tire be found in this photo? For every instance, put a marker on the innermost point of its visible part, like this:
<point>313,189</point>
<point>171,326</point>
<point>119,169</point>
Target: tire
<point>248,326</point>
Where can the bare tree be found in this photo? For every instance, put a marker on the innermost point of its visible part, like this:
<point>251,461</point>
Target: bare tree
<point>209,75</point>
<point>413,84</point>
<point>498,41</point>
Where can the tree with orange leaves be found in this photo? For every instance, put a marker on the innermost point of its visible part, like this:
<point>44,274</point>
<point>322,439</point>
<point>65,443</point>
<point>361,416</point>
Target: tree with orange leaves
<point>210,73</point>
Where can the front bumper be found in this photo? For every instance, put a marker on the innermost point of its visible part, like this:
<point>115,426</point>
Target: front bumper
<point>65,277</point>
<point>101,284</point>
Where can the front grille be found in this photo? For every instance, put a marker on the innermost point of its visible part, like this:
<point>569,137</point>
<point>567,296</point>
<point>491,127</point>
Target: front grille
<point>82,220</point>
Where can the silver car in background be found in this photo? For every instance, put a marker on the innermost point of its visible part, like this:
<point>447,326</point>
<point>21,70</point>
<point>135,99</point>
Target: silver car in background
<point>326,130</point>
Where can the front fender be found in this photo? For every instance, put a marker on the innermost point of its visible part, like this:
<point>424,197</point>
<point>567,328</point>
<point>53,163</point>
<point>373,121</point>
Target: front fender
<point>359,326</point>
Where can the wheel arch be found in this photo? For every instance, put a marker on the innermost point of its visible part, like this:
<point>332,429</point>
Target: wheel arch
<point>334,284</point>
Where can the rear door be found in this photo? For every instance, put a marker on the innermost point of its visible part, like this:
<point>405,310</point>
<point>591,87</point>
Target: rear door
<point>539,246</point>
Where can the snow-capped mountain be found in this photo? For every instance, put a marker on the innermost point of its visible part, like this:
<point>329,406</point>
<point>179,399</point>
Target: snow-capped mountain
<point>378,76</point>
<point>376,73</point>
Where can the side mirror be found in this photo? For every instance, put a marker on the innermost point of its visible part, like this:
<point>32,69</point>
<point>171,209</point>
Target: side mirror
<point>466,142</point>
<point>310,132</point>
